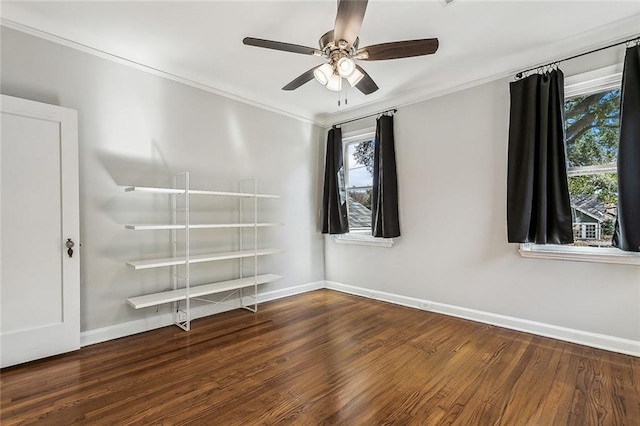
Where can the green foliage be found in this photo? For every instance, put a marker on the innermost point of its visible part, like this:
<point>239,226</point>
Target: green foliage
<point>604,187</point>
<point>592,128</point>
<point>607,227</point>
<point>592,135</point>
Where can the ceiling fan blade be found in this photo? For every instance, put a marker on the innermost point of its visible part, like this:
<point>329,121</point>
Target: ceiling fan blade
<point>349,20</point>
<point>366,85</point>
<point>300,80</point>
<point>400,49</point>
<point>278,45</point>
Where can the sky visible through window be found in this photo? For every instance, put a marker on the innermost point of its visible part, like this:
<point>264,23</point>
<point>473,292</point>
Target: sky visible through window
<point>359,175</point>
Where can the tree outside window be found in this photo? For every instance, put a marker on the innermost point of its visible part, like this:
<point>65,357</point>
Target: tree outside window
<point>592,135</point>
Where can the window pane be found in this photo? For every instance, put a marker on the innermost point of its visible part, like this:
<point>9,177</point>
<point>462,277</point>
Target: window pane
<point>594,199</point>
<point>591,124</point>
<point>359,183</point>
<point>360,209</point>
<point>592,134</point>
<point>360,161</point>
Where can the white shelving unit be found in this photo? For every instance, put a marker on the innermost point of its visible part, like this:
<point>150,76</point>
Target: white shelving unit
<point>182,291</point>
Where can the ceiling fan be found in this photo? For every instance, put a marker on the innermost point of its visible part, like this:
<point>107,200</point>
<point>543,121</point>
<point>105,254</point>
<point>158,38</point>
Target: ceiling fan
<point>340,47</point>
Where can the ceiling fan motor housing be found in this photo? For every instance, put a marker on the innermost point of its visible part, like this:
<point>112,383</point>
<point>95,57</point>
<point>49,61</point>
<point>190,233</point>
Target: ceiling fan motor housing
<point>327,44</point>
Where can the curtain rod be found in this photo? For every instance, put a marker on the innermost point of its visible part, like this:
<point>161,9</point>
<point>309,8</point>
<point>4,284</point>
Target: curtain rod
<point>637,39</point>
<point>366,116</point>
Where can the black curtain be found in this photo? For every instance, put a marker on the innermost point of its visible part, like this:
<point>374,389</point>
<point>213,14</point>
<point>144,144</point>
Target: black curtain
<point>538,206</point>
<point>334,206</point>
<point>627,231</point>
<point>384,197</point>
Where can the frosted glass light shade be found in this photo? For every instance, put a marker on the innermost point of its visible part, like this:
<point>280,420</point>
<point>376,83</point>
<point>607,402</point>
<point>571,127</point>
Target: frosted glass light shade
<point>323,73</point>
<point>355,78</point>
<point>345,67</point>
<point>335,83</point>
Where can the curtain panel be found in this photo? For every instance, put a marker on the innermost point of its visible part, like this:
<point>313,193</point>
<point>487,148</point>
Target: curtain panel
<point>538,205</point>
<point>334,204</point>
<point>627,229</point>
<point>384,196</point>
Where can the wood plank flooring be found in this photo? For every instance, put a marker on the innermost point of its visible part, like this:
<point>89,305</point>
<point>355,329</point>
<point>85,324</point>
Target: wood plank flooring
<point>327,358</point>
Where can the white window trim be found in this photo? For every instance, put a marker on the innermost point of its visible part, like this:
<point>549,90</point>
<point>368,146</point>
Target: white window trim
<point>592,170</point>
<point>599,80</point>
<point>361,237</point>
<point>580,254</point>
<point>590,82</point>
<point>364,134</point>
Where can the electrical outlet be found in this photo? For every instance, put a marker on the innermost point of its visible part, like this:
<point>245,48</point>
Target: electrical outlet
<point>425,305</point>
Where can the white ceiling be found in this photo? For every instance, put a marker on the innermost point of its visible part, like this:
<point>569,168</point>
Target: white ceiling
<point>202,42</point>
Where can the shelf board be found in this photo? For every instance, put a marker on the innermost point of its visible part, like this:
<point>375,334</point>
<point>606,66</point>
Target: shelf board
<point>198,291</point>
<point>199,258</point>
<point>197,192</point>
<point>200,226</point>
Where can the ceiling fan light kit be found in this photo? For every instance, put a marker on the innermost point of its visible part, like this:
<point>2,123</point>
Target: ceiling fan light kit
<point>335,83</point>
<point>355,77</point>
<point>340,47</point>
<point>323,73</point>
<point>345,67</point>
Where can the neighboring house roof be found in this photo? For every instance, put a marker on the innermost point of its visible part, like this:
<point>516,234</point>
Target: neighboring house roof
<point>592,207</point>
<point>359,215</point>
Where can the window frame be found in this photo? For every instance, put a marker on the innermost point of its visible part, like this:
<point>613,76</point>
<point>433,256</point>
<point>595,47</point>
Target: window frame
<point>598,80</point>
<point>358,236</point>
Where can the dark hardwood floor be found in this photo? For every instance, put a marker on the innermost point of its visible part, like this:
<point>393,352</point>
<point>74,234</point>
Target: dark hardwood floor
<point>327,358</point>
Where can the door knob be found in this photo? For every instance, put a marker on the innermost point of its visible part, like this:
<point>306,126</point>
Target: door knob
<point>70,244</point>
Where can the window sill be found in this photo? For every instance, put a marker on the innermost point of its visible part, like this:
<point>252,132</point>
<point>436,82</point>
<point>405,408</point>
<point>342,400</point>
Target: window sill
<point>363,240</point>
<point>579,254</point>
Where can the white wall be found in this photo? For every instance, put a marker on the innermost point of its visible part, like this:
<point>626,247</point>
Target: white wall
<point>452,158</point>
<point>136,129</point>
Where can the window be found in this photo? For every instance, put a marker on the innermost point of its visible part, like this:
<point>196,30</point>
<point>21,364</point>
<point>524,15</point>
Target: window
<point>592,134</point>
<point>358,183</point>
<point>592,112</point>
<point>358,159</point>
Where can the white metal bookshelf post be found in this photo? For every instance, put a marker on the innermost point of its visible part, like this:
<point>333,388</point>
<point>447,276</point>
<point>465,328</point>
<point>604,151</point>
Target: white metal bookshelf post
<point>182,291</point>
<point>181,316</point>
<point>243,265</point>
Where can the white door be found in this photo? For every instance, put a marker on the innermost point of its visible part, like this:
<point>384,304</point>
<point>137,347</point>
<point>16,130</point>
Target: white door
<point>39,282</point>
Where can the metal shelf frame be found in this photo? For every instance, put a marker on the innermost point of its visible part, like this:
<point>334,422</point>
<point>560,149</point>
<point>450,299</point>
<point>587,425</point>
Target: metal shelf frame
<point>181,291</point>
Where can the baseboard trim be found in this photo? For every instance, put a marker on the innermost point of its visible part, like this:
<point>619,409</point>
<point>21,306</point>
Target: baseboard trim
<point>99,335</point>
<point>600,341</point>
<point>116,331</point>
<point>290,291</point>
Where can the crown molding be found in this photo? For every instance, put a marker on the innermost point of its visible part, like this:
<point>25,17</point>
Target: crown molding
<point>593,39</point>
<point>148,69</point>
